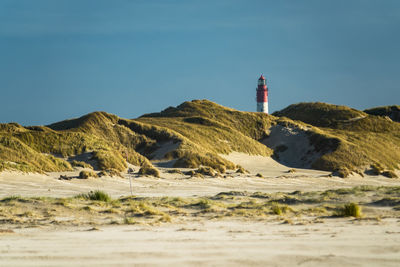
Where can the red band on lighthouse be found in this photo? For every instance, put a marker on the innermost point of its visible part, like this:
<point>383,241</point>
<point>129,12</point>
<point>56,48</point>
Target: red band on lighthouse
<point>262,95</point>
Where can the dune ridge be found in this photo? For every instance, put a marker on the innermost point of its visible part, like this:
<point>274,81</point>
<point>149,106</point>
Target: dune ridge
<point>306,135</point>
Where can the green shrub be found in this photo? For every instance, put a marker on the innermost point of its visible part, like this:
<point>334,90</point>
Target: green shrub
<point>259,175</point>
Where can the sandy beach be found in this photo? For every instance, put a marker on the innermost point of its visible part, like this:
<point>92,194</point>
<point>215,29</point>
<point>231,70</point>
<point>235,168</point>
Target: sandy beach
<point>332,243</point>
<point>298,239</point>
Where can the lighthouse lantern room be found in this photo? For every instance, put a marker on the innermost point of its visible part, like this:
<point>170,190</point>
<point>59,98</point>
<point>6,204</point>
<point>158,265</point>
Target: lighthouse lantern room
<point>262,95</point>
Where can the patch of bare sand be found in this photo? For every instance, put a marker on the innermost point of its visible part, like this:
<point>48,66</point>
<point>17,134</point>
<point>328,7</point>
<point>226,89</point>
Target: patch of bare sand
<point>336,242</point>
<point>276,178</point>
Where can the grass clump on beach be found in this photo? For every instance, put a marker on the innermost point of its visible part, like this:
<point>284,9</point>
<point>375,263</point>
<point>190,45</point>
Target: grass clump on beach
<point>98,208</point>
<point>87,174</point>
<point>350,210</point>
<point>95,195</point>
<point>149,170</point>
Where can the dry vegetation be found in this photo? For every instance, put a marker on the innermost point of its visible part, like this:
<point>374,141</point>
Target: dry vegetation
<point>98,208</point>
<point>356,139</point>
<point>346,139</point>
<point>392,112</point>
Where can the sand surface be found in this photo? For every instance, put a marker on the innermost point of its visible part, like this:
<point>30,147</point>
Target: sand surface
<point>275,179</point>
<point>236,242</point>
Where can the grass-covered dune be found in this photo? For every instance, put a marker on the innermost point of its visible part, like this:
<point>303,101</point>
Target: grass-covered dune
<point>112,141</point>
<point>362,139</point>
<point>320,114</point>
<point>393,112</point>
<point>334,138</point>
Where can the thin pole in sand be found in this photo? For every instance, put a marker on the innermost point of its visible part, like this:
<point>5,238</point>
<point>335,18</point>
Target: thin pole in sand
<point>130,181</point>
<point>130,184</point>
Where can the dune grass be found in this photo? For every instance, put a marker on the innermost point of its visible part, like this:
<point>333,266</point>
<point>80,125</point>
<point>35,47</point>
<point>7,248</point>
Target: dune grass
<point>346,139</point>
<point>98,208</point>
<point>95,195</point>
<point>149,171</point>
<point>393,112</point>
<point>87,174</point>
<point>82,164</point>
<point>319,114</point>
<point>351,209</point>
<point>354,138</point>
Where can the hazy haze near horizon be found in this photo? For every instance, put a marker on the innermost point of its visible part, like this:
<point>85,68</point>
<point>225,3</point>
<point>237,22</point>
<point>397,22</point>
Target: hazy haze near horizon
<point>62,59</point>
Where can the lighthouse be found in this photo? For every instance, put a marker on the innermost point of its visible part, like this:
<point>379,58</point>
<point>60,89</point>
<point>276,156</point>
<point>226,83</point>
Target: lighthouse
<point>262,95</point>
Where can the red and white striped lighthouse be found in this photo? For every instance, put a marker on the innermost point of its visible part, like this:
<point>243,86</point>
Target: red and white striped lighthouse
<point>262,95</point>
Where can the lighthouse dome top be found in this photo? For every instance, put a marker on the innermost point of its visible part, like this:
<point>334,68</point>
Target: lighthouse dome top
<point>261,77</point>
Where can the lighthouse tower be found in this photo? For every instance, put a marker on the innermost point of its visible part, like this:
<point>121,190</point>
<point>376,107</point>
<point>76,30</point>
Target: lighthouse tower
<point>262,95</point>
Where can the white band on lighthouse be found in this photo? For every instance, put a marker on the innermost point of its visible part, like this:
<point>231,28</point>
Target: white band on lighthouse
<point>262,95</point>
<point>262,107</point>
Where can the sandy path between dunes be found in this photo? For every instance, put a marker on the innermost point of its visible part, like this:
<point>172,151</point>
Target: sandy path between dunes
<point>235,243</point>
<point>275,179</point>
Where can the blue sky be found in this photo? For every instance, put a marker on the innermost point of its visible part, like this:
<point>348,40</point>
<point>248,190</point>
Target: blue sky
<point>65,58</point>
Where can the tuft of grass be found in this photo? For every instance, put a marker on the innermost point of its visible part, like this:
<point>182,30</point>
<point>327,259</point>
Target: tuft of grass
<point>11,198</point>
<point>343,172</point>
<point>350,210</point>
<point>279,209</point>
<point>208,171</point>
<point>109,172</point>
<point>259,175</point>
<point>276,209</point>
<point>149,170</point>
<point>129,220</point>
<point>96,195</point>
<point>193,173</point>
<point>87,174</point>
<point>242,170</point>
